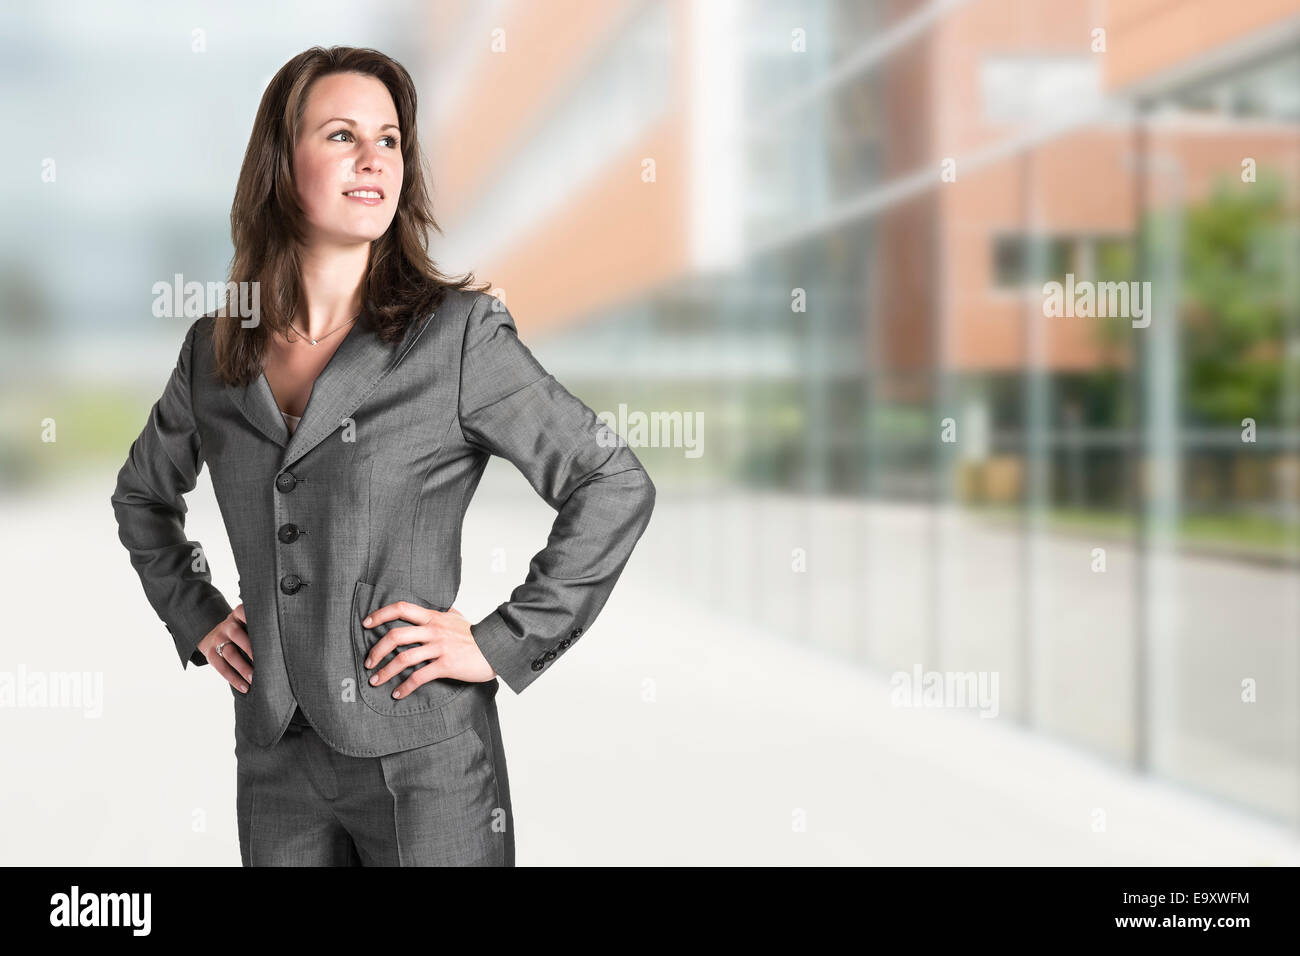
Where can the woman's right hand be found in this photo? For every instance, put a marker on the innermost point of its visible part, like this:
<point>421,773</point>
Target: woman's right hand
<point>237,669</point>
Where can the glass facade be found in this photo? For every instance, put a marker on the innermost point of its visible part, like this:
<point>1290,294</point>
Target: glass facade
<point>914,461</point>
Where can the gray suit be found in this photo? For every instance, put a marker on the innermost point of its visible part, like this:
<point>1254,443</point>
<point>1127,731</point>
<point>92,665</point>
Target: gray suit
<point>362,506</point>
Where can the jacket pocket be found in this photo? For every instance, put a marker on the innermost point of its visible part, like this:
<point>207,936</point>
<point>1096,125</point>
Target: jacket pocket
<point>366,598</point>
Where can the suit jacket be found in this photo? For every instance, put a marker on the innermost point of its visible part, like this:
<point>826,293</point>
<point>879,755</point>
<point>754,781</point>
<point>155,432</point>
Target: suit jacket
<point>362,506</point>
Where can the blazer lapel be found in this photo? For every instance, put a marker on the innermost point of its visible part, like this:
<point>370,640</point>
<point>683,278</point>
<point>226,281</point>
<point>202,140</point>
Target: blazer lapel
<point>257,403</point>
<point>351,374</point>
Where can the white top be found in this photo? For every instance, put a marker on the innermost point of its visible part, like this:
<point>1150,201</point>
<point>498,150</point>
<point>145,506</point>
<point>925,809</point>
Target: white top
<point>291,421</point>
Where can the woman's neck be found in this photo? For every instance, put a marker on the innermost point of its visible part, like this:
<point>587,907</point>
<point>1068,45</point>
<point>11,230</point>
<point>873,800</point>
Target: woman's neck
<point>331,287</point>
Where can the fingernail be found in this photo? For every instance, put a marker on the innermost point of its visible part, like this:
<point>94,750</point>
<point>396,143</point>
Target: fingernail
<point>366,622</point>
<point>397,693</point>
<point>243,687</point>
<point>375,679</point>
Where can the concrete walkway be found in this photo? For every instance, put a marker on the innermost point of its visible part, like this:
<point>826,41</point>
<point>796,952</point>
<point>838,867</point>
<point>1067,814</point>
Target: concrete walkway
<point>676,734</point>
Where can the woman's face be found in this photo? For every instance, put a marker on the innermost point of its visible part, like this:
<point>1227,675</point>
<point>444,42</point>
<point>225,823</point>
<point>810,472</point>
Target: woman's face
<point>348,141</point>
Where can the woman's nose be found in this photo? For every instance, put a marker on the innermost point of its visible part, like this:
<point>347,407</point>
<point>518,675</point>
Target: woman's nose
<point>369,160</point>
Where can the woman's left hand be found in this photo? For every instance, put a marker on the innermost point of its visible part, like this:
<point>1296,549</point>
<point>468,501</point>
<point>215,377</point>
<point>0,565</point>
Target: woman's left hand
<point>444,640</point>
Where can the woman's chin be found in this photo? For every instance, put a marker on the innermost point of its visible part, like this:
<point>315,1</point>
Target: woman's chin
<point>346,236</point>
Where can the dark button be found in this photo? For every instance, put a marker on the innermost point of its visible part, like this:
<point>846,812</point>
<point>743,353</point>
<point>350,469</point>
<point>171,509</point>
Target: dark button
<point>565,643</point>
<point>575,633</point>
<point>285,482</point>
<point>549,656</point>
<point>290,583</point>
<point>288,533</point>
<point>538,664</point>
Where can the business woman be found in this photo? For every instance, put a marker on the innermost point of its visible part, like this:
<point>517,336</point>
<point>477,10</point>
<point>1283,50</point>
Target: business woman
<point>346,427</point>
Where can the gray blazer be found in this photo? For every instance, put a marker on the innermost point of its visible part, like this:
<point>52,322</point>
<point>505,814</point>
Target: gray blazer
<point>362,506</point>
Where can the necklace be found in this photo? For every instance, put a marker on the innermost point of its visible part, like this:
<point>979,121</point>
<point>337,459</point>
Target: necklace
<point>327,334</point>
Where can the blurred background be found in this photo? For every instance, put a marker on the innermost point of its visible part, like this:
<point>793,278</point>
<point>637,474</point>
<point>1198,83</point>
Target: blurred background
<point>936,574</point>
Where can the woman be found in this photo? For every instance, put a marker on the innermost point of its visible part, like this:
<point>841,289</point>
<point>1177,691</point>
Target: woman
<point>346,427</point>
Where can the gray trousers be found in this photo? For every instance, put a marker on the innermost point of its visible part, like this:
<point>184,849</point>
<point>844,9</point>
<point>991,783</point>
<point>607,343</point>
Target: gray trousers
<point>302,803</point>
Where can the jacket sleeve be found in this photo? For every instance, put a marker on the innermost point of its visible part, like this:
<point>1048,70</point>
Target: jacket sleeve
<point>512,407</point>
<point>161,467</point>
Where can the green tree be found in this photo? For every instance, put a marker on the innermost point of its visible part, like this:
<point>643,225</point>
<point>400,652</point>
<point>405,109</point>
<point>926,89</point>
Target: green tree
<point>1233,303</point>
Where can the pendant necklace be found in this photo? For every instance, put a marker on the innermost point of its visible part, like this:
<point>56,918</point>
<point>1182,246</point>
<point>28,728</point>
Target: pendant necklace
<point>327,334</point>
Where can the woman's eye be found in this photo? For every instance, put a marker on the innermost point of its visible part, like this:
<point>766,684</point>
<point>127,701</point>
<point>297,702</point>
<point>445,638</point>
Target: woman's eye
<point>348,133</point>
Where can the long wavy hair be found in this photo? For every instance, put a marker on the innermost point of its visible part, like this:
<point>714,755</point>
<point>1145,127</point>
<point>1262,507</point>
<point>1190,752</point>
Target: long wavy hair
<point>267,224</point>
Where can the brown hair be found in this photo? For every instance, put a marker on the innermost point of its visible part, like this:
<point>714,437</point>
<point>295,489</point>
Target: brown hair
<point>266,223</point>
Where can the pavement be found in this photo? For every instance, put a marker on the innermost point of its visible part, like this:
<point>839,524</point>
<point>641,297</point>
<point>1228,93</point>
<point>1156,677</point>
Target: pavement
<point>724,708</point>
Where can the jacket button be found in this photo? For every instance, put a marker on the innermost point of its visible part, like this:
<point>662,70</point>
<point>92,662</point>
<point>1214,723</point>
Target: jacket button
<point>575,633</point>
<point>538,664</point>
<point>285,482</point>
<point>290,583</point>
<point>288,533</point>
<point>549,656</point>
<point>565,643</point>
